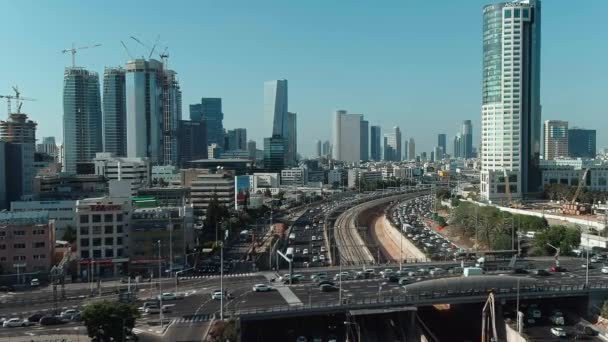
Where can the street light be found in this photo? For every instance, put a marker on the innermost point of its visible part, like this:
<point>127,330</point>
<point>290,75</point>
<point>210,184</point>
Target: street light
<point>160,287</point>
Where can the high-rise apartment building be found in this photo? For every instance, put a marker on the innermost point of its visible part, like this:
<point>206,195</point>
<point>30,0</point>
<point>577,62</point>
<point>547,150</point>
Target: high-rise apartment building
<point>364,140</point>
<point>412,149</point>
<point>441,142</point>
<point>375,143</point>
<point>20,133</point>
<point>275,106</point>
<point>347,136</point>
<point>237,139</point>
<point>556,139</point>
<point>82,119</point>
<point>153,99</point>
<point>49,147</point>
<point>581,143</point>
<point>292,138</point>
<point>114,112</point>
<point>511,110</point>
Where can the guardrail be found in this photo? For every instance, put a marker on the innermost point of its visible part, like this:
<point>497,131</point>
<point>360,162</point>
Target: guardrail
<point>425,298</point>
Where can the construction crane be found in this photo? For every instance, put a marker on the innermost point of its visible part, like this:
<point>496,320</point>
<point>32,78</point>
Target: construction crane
<point>163,55</point>
<point>580,187</point>
<point>126,49</point>
<point>75,49</point>
<point>557,253</point>
<point>488,320</point>
<point>16,97</point>
<point>573,208</point>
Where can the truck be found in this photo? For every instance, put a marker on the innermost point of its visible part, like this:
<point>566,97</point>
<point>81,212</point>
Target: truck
<point>472,271</point>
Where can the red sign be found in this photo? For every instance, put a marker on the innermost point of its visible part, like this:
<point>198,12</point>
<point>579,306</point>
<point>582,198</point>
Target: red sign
<point>105,207</point>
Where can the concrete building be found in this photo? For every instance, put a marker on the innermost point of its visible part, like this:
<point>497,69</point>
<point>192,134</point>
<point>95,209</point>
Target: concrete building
<point>62,212</point>
<point>262,181</point>
<point>327,149</point>
<point>114,112</point>
<point>375,143</point>
<point>556,139</point>
<point>392,145</point>
<point>511,110</point>
<point>335,176</point>
<point>192,141</point>
<point>27,242</point>
<point>355,175</point>
<point>292,138</point>
<point>59,187</point>
<point>252,149</point>
<point>318,149</point>
<point>441,142</point>
<point>406,150</point>
<point>49,147</point>
<point>214,151</point>
<point>411,149</point>
<point>169,196</point>
<point>364,140</point>
<point>582,143</point>
<point>296,176</point>
<point>347,136</point>
<point>168,173</point>
<point>102,236</point>
<point>204,185</point>
<point>136,171</point>
<point>570,171</point>
<point>437,153</point>
<point>20,135</point>
<point>172,226</point>
<point>275,154</point>
<point>237,139</point>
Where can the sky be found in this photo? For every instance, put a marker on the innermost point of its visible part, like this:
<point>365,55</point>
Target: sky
<point>413,64</point>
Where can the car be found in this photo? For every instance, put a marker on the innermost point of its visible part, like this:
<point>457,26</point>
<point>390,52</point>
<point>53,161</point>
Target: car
<point>557,269</point>
<point>168,296</point>
<point>217,295</point>
<point>315,258</point>
<point>34,282</point>
<point>51,320</point>
<point>35,318</point>
<point>317,276</point>
<point>605,269</point>
<point>301,339</point>
<point>261,288</point>
<point>7,288</point>
<point>589,266</point>
<point>406,280</point>
<point>328,288</point>
<point>69,313</point>
<point>343,275</point>
<point>385,273</point>
<point>294,280</point>
<point>16,322</point>
<point>305,252</point>
<point>559,332</point>
<point>541,273</point>
<point>393,278</point>
<point>146,305</point>
<point>326,282</point>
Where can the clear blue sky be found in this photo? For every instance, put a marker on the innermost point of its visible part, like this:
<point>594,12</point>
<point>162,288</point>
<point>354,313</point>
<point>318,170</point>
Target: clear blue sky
<point>416,64</point>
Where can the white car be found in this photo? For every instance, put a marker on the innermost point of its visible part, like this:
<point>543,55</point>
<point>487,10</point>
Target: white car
<point>69,313</point>
<point>35,282</point>
<point>322,249</point>
<point>305,252</point>
<point>217,295</point>
<point>14,322</point>
<point>322,257</point>
<point>559,332</point>
<point>261,288</point>
<point>605,269</point>
<point>168,296</point>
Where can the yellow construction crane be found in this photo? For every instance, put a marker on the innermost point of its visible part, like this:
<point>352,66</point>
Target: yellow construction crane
<point>75,49</point>
<point>16,97</point>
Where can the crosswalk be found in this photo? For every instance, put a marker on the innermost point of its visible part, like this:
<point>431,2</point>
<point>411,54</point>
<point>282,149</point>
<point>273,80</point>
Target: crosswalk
<point>193,318</point>
<point>230,275</point>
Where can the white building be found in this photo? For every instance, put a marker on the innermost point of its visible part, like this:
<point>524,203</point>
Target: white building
<point>347,136</point>
<point>204,186</point>
<point>556,139</point>
<point>366,176</point>
<point>296,176</point>
<point>511,110</point>
<point>102,232</point>
<point>134,170</point>
<point>168,173</point>
<point>63,212</point>
<point>334,177</point>
<point>263,181</point>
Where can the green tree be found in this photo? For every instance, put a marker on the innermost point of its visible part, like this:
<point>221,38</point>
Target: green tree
<point>109,321</point>
<point>69,235</point>
<point>267,193</point>
<point>216,212</point>
<point>566,238</point>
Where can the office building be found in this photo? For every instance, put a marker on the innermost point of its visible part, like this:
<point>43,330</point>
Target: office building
<point>441,142</point>
<point>62,212</point>
<point>292,138</point>
<point>326,148</point>
<point>82,119</point>
<point>511,109</point>
<point>153,99</point>
<point>375,143</point>
<point>347,136</point>
<point>192,138</point>
<point>136,171</point>
<point>437,153</point>
<point>275,107</point>
<point>196,112</point>
<point>556,139</point>
<point>406,150</point>
<point>389,151</point>
<point>27,242</point>
<point>62,186</point>
<point>318,148</point>
<point>211,113</point>
<point>237,139</point>
<point>392,145</point>
<point>20,134</point>
<point>114,112</point>
<point>296,176</point>
<point>204,184</point>
<point>581,143</point>
<point>467,136</point>
<point>252,149</point>
<point>214,151</point>
<point>275,153</point>
<point>48,147</point>
<point>412,149</point>
<point>102,234</point>
<point>364,140</point>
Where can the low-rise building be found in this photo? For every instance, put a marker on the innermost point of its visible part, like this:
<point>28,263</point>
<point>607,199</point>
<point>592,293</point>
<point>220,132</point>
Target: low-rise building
<point>64,186</point>
<point>355,175</point>
<point>169,174</point>
<point>570,172</point>
<point>27,242</point>
<point>204,185</point>
<point>294,177</point>
<point>135,170</point>
<point>102,233</point>
<point>63,212</point>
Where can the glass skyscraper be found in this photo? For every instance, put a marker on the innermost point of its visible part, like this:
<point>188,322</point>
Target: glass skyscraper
<point>581,143</point>
<point>511,110</point>
<point>275,106</point>
<point>82,120</point>
<point>364,140</point>
<point>210,111</point>
<point>114,112</point>
<point>275,149</point>
<point>375,142</point>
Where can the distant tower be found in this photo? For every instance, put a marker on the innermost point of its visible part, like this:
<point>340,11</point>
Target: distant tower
<point>114,112</point>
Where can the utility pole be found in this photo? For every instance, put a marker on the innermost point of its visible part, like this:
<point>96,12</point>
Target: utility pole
<point>222,280</point>
<point>160,287</point>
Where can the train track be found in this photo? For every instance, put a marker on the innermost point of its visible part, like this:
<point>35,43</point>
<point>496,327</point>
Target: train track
<point>352,248</point>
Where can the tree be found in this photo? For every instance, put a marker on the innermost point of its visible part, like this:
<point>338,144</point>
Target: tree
<point>604,312</point>
<point>109,321</point>
<point>69,235</point>
<point>566,238</point>
<point>267,193</point>
<point>216,212</point>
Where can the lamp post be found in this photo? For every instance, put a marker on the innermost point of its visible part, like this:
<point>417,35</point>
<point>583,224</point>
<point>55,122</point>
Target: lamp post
<point>221,281</point>
<point>160,287</point>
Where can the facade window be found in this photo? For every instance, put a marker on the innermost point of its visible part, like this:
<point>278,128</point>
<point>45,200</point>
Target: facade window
<point>96,218</point>
<point>19,232</point>
<point>96,230</point>
<point>19,257</point>
<point>108,218</point>
<point>19,245</point>
<point>119,240</point>
<point>109,229</point>
<point>84,230</point>
<point>96,254</point>
<point>97,242</point>
<point>38,244</point>
<point>119,229</point>
<point>526,13</point>
<point>119,252</point>
<point>507,14</point>
<point>84,242</point>
<point>109,241</point>
<point>84,254</point>
<point>516,13</point>
<point>109,253</point>
<point>84,218</point>
<point>118,217</point>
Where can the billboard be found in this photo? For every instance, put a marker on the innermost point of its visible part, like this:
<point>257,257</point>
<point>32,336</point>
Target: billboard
<point>242,188</point>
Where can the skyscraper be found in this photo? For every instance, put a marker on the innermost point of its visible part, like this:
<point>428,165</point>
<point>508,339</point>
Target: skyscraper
<point>275,149</point>
<point>154,105</point>
<point>398,139</point>
<point>467,139</point>
<point>376,149</point>
<point>318,148</point>
<point>556,139</point>
<point>458,146</point>
<point>389,151</point>
<point>347,136</point>
<point>364,140</point>
<point>406,150</point>
<point>275,106</point>
<point>252,149</point>
<point>114,112</point>
<point>196,112</point>
<point>441,142</point>
<point>82,119</point>
<point>412,149</point>
<point>438,153</point>
<point>326,148</point>
<point>20,133</point>
<point>210,111</point>
<point>392,145</point>
<point>511,110</point>
<point>581,143</point>
<point>292,138</point>
<point>192,141</point>
<point>237,139</point>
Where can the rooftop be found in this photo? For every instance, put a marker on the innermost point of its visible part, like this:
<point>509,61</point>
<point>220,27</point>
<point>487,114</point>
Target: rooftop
<point>24,217</point>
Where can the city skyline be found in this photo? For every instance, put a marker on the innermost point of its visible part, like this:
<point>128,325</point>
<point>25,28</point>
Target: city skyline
<point>405,98</point>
